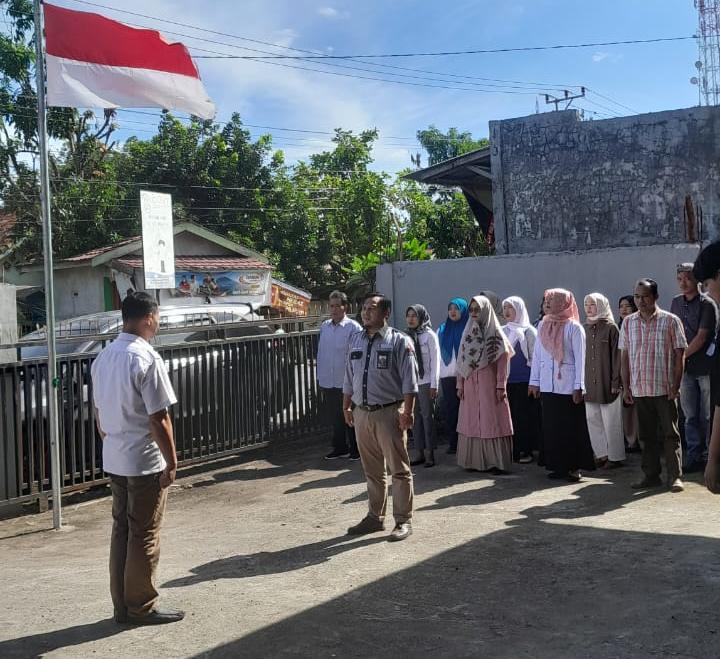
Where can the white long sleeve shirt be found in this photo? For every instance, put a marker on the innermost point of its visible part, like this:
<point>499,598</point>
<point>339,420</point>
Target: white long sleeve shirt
<point>545,370</point>
<point>430,354</point>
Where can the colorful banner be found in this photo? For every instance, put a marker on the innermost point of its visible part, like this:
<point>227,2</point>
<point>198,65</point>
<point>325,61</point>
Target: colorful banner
<point>290,302</point>
<point>231,286</point>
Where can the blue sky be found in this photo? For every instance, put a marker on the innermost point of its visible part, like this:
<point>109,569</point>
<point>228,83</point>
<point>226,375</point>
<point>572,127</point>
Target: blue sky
<point>645,78</point>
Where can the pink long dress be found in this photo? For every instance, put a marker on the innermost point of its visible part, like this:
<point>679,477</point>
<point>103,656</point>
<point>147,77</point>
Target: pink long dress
<point>485,427</point>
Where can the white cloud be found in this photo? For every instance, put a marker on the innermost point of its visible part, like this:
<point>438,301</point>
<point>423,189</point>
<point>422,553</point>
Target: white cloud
<point>600,56</point>
<point>328,12</point>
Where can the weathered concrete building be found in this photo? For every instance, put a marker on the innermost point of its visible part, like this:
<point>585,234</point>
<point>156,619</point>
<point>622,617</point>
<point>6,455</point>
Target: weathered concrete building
<point>559,183</point>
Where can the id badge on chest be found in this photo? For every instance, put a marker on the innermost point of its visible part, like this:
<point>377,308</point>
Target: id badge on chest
<point>382,359</point>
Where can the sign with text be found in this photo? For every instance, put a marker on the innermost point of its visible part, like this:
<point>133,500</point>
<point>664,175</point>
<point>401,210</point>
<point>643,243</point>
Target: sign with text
<point>251,286</point>
<point>157,239</point>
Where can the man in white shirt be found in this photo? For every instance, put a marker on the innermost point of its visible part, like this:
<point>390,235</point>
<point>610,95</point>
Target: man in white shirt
<point>333,344</point>
<point>131,394</point>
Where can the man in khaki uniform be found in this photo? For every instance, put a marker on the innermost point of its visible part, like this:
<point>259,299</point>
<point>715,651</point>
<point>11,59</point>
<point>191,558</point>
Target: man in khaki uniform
<point>378,400</point>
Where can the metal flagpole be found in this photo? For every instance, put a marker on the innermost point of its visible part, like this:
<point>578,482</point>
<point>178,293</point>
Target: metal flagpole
<point>53,381</point>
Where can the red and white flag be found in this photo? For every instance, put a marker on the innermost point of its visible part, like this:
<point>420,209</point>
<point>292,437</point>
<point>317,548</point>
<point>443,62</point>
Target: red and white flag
<point>95,62</point>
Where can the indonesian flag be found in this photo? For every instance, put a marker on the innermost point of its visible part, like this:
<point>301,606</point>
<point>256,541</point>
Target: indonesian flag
<point>95,62</point>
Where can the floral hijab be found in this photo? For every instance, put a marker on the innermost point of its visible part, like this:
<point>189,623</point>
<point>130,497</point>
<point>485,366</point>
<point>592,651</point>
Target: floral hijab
<point>483,341</point>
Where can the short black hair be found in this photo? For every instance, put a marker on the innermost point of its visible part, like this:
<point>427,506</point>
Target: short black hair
<point>384,303</point>
<point>707,263</point>
<point>649,283</point>
<point>339,295</point>
<point>137,306</point>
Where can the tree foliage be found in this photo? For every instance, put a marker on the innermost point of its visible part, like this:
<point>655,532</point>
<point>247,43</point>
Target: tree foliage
<point>321,221</point>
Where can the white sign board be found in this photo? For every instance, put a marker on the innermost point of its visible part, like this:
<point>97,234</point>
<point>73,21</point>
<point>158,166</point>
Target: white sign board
<point>157,239</point>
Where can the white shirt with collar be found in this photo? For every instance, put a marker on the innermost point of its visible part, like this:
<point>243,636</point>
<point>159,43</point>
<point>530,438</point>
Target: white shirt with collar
<point>545,370</point>
<point>430,355</point>
<point>130,383</point>
<point>332,351</point>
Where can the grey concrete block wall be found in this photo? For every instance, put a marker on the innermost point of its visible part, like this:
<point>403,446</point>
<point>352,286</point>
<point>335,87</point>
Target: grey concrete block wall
<point>8,321</point>
<point>560,183</point>
<point>612,272</point>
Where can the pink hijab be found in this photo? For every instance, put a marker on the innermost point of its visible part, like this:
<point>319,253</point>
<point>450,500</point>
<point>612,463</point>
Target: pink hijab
<point>552,330</point>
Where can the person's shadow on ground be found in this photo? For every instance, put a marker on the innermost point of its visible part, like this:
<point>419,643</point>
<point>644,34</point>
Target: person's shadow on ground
<point>38,645</point>
<point>273,562</point>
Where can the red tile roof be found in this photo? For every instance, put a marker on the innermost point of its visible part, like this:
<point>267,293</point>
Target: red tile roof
<point>7,225</point>
<point>89,256</point>
<point>201,263</point>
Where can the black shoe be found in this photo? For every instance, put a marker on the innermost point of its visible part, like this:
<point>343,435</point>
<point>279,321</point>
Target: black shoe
<point>334,455</point>
<point>694,468</point>
<point>156,617</point>
<point>120,617</point>
<point>354,456</point>
<point>646,483</point>
<point>557,476</point>
<point>367,525</point>
<point>417,461</point>
<point>452,450</point>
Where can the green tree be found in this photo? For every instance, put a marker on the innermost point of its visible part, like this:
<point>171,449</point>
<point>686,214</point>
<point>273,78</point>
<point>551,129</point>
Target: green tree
<point>442,146</point>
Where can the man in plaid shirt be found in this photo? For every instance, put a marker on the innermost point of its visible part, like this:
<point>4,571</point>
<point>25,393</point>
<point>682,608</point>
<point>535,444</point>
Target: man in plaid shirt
<point>653,352</point>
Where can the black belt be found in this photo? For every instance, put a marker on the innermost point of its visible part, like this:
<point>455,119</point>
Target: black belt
<point>375,408</point>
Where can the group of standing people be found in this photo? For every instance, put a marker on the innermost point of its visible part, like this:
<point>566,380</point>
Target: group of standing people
<point>573,395</point>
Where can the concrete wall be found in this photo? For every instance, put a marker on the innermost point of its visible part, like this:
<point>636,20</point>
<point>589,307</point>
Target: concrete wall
<point>560,183</point>
<point>612,272</point>
<point>8,321</point>
<point>79,291</point>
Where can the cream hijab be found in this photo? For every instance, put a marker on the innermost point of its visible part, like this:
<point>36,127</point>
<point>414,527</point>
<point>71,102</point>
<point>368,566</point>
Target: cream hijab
<point>483,341</point>
<point>604,311</point>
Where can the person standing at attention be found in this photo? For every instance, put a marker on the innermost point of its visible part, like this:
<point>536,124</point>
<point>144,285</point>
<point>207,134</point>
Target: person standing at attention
<point>707,271</point>
<point>484,425</point>
<point>378,400</point>
<point>626,307</point>
<point>131,395</point>
<point>698,314</point>
<point>603,402</point>
<point>558,378</point>
<point>523,408</point>
<point>332,353</point>
<point>449,335</point>
<point>653,346</point>
<point>427,353</point>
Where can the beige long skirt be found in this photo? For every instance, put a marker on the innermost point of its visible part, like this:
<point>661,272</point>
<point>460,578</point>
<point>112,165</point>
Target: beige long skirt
<point>481,454</point>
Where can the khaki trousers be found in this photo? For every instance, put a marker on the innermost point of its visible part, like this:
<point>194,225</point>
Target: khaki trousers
<point>658,433</point>
<point>380,441</point>
<point>138,507</point>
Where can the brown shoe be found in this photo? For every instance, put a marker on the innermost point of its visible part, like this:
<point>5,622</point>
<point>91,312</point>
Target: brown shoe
<point>401,531</point>
<point>367,525</point>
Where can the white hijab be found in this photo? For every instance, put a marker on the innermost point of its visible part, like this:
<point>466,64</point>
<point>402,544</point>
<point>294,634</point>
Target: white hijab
<point>604,310</point>
<point>520,330</point>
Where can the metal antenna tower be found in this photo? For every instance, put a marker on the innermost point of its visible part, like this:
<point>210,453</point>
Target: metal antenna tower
<point>708,64</point>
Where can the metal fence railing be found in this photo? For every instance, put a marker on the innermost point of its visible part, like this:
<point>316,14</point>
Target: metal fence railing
<point>232,394</point>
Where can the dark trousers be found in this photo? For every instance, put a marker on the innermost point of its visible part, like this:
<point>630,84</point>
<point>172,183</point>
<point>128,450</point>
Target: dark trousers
<point>658,432</point>
<point>343,435</point>
<point>525,412</point>
<point>450,407</point>
<point>137,509</point>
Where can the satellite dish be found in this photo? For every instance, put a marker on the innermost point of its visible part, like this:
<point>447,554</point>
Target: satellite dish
<point>694,81</point>
<point>698,65</point>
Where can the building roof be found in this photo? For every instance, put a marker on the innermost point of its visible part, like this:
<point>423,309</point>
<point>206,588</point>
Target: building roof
<point>108,253</point>
<point>469,168</point>
<point>202,263</point>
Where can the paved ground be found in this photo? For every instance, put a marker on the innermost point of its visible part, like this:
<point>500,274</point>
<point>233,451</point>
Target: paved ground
<point>255,552</point>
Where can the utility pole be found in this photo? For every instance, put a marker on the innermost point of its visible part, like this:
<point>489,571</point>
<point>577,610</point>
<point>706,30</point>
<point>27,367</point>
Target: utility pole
<point>566,98</point>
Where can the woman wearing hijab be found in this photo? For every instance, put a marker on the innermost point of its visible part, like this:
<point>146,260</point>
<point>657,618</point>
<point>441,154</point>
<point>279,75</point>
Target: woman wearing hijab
<point>603,403</point>
<point>525,418</point>
<point>626,307</point>
<point>558,378</point>
<point>450,334</point>
<point>484,424</point>
<point>427,351</point>
<point>495,304</point>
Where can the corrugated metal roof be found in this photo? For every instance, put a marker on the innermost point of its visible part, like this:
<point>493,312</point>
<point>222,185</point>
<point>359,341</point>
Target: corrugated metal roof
<point>200,263</point>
